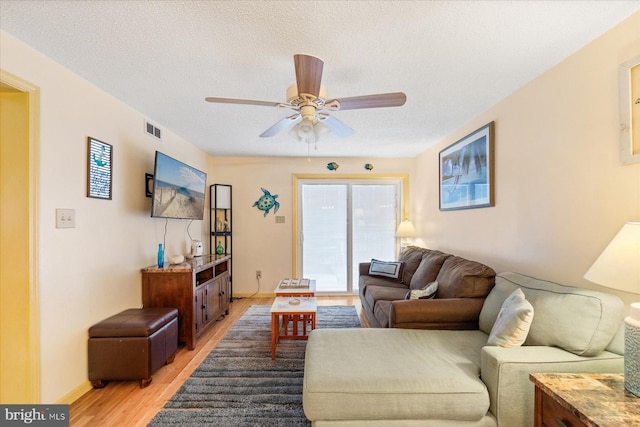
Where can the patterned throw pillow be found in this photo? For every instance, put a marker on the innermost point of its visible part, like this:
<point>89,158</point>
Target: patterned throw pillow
<point>389,269</point>
<point>513,322</point>
<point>427,292</point>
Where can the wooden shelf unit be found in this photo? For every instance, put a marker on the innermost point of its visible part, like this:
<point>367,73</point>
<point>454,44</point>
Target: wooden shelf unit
<point>221,223</point>
<point>199,288</point>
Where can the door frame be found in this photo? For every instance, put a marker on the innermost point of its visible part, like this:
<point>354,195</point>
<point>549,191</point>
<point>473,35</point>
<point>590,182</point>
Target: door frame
<point>31,331</point>
<point>296,178</point>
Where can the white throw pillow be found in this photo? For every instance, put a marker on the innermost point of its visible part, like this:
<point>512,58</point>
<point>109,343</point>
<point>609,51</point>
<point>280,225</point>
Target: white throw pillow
<point>513,322</point>
<point>428,292</point>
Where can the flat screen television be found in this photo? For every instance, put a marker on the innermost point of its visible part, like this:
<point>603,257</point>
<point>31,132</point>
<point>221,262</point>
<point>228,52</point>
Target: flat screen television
<point>178,189</point>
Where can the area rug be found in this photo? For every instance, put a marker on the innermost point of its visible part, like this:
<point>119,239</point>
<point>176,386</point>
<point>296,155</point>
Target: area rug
<point>239,385</point>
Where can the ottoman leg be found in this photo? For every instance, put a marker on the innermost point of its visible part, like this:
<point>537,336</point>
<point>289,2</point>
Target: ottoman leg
<point>98,383</point>
<point>145,382</point>
<point>171,358</point>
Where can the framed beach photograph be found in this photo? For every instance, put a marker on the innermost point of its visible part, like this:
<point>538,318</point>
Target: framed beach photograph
<point>99,169</point>
<point>630,111</point>
<point>466,171</point>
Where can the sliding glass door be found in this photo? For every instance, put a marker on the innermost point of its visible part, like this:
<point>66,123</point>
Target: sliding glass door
<point>342,223</point>
<point>376,214</point>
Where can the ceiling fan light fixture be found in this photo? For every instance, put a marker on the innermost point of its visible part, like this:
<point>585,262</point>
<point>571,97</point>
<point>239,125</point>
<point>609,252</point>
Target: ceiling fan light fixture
<point>320,129</point>
<point>305,129</point>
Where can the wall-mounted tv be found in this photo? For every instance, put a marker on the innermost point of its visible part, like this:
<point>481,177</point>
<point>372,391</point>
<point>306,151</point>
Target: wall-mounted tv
<point>178,189</point>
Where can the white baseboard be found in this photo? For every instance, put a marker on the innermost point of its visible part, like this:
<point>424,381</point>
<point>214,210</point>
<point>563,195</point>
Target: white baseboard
<point>75,394</point>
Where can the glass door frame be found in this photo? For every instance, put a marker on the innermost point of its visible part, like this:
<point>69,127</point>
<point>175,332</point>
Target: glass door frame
<point>369,178</point>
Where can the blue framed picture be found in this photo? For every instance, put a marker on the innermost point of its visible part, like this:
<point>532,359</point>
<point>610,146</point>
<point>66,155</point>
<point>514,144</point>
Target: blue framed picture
<point>466,171</point>
<point>99,169</point>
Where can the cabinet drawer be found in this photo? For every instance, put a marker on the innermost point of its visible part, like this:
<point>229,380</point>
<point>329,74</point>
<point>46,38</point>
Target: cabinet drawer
<point>555,415</point>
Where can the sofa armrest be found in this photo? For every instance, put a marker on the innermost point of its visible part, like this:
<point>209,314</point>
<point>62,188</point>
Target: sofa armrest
<point>450,313</point>
<point>363,268</point>
<point>505,372</point>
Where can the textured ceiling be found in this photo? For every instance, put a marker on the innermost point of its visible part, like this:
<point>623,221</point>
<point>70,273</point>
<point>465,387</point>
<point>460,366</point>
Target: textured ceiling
<point>453,59</point>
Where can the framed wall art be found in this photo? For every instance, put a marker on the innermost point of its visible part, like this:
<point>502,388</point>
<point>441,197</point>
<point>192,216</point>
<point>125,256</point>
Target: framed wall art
<point>99,169</point>
<point>630,111</point>
<point>466,171</point>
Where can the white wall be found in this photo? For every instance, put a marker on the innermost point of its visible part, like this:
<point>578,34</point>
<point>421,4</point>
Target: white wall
<point>258,242</point>
<point>561,191</point>
<point>92,271</point>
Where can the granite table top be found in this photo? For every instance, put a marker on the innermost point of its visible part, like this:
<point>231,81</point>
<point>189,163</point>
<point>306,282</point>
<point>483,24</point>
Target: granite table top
<point>598,400</point>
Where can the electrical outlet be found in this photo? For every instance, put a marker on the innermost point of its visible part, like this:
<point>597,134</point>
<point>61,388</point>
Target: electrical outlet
<point>65,218</point>
<point>258,274</point>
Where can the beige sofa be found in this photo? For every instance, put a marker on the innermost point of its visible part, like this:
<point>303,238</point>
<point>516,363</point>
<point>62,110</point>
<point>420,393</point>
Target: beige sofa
<point>462,287</point>
<point>445,378</point>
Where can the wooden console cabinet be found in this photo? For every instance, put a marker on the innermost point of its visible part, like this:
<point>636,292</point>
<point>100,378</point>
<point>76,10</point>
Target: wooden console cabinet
<point>199,288</point>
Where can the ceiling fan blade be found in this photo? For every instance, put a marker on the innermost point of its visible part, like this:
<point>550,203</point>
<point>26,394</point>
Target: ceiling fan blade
<point>308,74</point>
<point>395,99</point>
<point>241,101</point>
<point>336,126</point>
<point>281,125</point>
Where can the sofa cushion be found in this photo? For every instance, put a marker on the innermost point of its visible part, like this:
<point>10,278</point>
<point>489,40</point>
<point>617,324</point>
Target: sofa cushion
<point>365,281</point>
<point>411,256</point>
<point>462,278</point>
<point>514,320</point>
<point>428,269</point>
<point>383,293</point>
<point>396,374</point>
<point>388,269</point>
<point>578,320</point>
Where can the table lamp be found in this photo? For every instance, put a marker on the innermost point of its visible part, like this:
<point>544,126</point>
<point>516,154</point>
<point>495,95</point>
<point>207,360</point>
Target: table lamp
<point>405,230</point>
<point>618,267</point>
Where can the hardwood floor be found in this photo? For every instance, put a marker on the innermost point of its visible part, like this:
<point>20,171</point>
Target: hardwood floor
<point>124,403</point>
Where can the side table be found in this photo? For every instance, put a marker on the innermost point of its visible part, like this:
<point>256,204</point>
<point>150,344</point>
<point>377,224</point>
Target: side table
<point>283,313</point>
<point>579,400</point>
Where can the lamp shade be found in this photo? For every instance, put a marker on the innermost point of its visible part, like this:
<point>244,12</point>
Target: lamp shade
<point>406,229</point>
<point>223,196</point>
<point>618,267</point>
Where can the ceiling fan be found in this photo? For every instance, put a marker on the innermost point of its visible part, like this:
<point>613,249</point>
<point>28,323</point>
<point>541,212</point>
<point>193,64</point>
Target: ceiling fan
<point>308,98</point>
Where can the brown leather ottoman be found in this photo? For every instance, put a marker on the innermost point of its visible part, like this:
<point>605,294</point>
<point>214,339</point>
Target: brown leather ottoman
<point>132,345</point>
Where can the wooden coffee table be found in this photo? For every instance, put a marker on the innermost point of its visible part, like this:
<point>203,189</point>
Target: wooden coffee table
<point>289,321</point>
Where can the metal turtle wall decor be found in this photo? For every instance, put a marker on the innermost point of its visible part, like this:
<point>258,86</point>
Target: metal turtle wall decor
<point>267,201</point>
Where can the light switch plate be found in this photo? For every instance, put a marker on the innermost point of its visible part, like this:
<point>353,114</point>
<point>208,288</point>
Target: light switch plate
<point>65,218</point>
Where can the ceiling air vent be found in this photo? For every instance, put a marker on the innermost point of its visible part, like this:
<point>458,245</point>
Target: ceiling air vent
<point>153,130</point>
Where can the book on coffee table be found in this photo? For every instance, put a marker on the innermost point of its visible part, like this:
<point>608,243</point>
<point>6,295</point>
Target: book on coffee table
<point>294,284</point>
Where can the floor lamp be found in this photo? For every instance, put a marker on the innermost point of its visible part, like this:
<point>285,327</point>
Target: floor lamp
<point>618,267</point>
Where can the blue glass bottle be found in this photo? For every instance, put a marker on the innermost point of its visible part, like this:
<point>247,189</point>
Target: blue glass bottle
<point>160,256</point>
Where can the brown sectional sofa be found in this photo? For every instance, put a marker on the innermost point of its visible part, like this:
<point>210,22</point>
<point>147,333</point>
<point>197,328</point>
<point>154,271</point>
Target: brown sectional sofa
<point>462,288</point>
